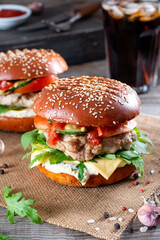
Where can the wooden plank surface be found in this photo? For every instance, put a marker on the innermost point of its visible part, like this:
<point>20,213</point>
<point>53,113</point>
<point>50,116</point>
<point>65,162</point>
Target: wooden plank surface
<point>86,35</point>
<point>24,229</point>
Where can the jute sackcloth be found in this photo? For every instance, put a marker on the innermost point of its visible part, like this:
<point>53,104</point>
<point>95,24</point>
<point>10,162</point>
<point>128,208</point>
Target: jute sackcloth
<point>72,207</point>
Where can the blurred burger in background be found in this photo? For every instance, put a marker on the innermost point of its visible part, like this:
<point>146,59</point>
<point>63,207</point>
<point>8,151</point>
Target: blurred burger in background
<point>22,75</point>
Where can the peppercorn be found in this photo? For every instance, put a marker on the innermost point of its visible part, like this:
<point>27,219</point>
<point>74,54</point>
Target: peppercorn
<point>4,165</point>
<point>106,215</point>
<point>130,230</point>
<point>135,176</point>
<point>1,171</point>
<point>147,182</point>
<point>124,208</point>
<point>134,183</point>
<point>116,226</point>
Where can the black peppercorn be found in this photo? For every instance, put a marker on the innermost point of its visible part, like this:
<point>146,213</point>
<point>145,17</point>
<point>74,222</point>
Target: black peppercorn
<point>116,226</point>
<point>4,165</point>
<point>1,171</point>
<point>135,176</point>
<point>130,230</point>
<point>106,215</point>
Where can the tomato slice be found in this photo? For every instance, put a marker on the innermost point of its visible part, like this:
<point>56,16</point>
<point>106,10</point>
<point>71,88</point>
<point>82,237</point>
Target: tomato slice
<point>36,84</point>
<point>115,130</point>
<point>41,123</point>
<point>5,85</point>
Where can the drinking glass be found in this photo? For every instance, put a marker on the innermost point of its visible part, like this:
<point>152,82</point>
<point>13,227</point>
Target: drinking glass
<point>132,41</point>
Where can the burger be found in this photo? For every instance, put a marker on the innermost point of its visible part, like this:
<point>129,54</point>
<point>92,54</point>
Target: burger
<point>22,75</point>
<point>86,134</point>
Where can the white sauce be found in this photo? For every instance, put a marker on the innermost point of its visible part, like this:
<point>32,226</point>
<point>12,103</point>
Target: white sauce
<point>68,167</point>
<point>27,112</point>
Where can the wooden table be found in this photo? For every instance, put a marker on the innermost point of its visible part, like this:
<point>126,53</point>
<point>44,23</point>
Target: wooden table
<point>24,229</point>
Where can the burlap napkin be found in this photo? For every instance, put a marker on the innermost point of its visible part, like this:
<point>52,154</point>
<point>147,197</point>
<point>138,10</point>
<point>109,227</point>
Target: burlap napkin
<point>73,207</point>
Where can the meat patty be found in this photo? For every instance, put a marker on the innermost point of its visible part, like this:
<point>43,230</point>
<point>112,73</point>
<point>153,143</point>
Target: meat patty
<point>17,99</point>
<point>80,149</point>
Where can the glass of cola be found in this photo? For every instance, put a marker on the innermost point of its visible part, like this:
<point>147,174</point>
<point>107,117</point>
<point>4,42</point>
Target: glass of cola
<point>132,41</point>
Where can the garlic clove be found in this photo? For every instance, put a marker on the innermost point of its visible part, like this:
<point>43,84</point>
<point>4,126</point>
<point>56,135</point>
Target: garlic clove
<point>2,146</point>
<point>149,215</point>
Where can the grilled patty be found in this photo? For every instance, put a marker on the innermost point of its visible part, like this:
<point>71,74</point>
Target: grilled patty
<point>80,149</point>
<point>17,99</point>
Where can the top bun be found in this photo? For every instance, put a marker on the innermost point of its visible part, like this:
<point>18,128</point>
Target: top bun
<point>17,64</point>
<point>88,101</point>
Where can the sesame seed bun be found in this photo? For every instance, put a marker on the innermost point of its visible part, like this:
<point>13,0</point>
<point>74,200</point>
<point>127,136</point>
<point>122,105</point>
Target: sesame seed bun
<point>94,180</point>
<point>17,64</point>
<point>88,101</point>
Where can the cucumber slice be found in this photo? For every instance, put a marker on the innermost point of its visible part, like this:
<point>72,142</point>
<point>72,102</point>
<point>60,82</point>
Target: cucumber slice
<point>20,85</point>
<point>71,132</point>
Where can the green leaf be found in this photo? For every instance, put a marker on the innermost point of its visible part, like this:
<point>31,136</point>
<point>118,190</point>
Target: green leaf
<point>139,164</point>
<point>59,157</point>
<point>81,168</point>
<point>127,154</point>
<point>140,147</point>
<point>4,237</point>
<point>28,138</point>
<point>5,108</point>
<point>38,157</point>
<point>108,156</point>
<point>143,137</point>
<point>20,206</point>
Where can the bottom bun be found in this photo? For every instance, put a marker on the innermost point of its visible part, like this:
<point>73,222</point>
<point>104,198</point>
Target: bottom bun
<point>17,124</point>
<point>93,181</point>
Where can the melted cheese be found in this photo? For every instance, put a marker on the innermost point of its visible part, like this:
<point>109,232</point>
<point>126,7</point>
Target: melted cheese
<point>105,167</point>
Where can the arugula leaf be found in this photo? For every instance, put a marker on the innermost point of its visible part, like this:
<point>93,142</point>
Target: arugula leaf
<point>4,237</point>
<point>5,108</point>
<point>38,157</point>
<point>143,137</point>
<point>19,206</point>
<point>108,156</point>
<point>28,138</point>
<point>139,164</point>
<point>81,168</point>
<point>140,147</point>
<point>127,155</point>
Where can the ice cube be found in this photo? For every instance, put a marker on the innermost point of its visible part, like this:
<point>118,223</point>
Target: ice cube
<point>116,12</point>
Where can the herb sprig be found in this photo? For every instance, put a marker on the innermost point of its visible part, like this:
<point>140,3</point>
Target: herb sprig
<point>4,237</point>
<point>21,206</point>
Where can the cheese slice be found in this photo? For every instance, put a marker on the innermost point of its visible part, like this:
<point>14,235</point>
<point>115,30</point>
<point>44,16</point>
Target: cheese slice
<point>105,167</point>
